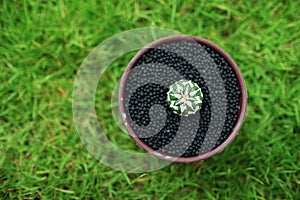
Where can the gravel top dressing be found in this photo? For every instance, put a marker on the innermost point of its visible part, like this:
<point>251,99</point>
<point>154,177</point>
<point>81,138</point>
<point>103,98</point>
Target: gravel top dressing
<point>189,129</point>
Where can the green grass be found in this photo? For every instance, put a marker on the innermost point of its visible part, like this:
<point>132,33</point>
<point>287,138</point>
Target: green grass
<point>43,43</point>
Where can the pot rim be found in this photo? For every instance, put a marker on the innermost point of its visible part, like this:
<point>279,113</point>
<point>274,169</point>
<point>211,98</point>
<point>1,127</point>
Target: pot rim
<point>242,104</point>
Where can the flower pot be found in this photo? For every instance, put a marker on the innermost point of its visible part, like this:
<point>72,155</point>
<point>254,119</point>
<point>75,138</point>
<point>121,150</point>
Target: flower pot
<point>185,132</point>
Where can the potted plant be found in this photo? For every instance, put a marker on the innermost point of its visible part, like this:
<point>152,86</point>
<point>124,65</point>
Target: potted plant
<point>182,98</point>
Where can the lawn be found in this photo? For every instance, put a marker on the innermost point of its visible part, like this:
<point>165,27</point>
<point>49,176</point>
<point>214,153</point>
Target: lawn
<point>42,45</point>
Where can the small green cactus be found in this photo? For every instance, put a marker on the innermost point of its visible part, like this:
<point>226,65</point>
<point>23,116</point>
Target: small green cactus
<point>184,97</point>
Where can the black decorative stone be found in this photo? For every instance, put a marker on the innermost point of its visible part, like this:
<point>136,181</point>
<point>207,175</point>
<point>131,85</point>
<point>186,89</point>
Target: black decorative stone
<point>141,95</point>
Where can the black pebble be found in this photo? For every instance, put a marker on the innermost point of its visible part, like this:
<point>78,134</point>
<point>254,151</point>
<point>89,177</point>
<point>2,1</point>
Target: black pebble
<point>139,102</point>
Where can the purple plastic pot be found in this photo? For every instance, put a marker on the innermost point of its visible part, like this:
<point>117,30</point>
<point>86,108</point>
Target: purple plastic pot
<point>242,105</point>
